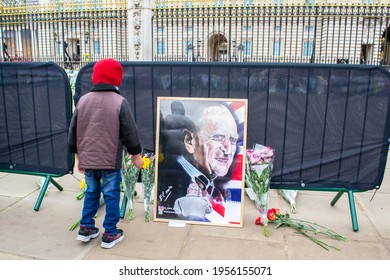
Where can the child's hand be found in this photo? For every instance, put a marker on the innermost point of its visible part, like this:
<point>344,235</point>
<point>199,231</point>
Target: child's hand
<point>138,161</point>
<point>81,170</point>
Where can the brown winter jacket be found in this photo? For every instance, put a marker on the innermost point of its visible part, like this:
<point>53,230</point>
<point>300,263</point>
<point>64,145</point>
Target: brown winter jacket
<point>102,123</point>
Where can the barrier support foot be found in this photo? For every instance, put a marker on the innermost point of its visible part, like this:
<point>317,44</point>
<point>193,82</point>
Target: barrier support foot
<point>352,207</point>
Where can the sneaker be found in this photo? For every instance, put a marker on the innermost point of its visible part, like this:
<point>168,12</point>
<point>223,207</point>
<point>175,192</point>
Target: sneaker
<point>86,234</point>
<point>108,241</point>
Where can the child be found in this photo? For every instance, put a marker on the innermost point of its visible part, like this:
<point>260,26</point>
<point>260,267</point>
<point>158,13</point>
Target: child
<point>101,125</point>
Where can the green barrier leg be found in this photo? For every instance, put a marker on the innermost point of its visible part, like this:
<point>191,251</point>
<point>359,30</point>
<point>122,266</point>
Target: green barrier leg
<point>336,198</point>
<point>123,207</point>
<point>42,192</point>
<point>49,179</point>
<point>58,186</point>
<point>353,211</point>
<point>351,208</point>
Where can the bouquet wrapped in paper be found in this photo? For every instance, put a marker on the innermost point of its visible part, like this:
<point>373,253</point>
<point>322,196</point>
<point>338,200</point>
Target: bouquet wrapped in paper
<point>259,166</point>
<point>130,175</point>
<point>290,197</point>
<point>147,175</point>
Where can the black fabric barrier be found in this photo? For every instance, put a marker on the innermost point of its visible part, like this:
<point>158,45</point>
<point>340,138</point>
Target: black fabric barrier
<point>35,111</point>
<point>328,124</point>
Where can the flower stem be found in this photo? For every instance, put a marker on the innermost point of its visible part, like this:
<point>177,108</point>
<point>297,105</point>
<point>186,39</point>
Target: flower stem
<point>324,245</point>
<point>147,216</point>
<point>131,214</point>
<point>72,227</point>
<point>266,233</point>
<point>328,231</point>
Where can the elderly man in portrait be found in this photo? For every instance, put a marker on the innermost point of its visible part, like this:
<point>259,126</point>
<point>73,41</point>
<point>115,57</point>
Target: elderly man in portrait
<point>210,146</point>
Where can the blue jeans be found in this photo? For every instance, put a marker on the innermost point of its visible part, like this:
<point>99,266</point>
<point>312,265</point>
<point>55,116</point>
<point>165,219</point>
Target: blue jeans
<point>108,183</point>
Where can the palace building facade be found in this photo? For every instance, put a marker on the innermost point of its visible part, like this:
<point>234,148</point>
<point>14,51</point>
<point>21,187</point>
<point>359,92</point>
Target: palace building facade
<point>75,32</point>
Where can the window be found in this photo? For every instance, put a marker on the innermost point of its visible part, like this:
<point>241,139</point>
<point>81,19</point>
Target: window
<point>160,29</point>
<point>247,29</point>
<point>248,2</point>
<point>79,4</point>
<point>307,48</point>
<point>310,2</point>
<point>277,47</point>
<point>186,44</point>
<point>96,47</point>
<point>247,47</point>
<point>277,29</point>
<point>188,3</point>
<point>218,3</point>
<point>161,4</point>
<point>98,4</point>
<point>59,5</point>
<point>161,47</point>
<point>309,29</point>
<point>57,48</point>
<point>189,29</point>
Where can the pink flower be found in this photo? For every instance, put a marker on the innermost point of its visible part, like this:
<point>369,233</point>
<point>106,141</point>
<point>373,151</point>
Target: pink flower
<point>265,155</point>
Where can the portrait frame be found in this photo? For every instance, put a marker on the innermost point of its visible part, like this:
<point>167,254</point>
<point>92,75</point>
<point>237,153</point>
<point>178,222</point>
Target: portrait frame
<point>200,168</point>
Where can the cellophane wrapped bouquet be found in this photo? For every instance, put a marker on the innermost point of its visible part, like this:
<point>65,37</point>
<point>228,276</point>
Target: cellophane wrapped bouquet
<point>259,165</point>
<point>147,176</point>
<point>130,175</point>
<point>290,197</point>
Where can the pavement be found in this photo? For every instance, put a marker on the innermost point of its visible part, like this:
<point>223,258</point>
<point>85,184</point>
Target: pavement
<point>27,234</point>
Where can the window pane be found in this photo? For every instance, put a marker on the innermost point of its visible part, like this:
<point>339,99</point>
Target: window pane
<point>185,47</point>
<point>58,49</point>
<point>308,29</point>
<point>161,47</point>
<point>276,49</point>
<point>307,48</point>
<point>247,47</point>
<point>247,28</point>
<point>96,45</point>
<point>161,4</point>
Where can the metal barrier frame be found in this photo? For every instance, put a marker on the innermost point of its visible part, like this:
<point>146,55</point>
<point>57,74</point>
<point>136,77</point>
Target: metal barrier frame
<point>144,81</point>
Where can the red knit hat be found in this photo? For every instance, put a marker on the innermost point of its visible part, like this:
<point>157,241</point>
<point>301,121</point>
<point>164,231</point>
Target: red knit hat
<point>107,71</point>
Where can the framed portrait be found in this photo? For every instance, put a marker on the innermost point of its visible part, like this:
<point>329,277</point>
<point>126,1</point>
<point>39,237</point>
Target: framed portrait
<point>200,172</point>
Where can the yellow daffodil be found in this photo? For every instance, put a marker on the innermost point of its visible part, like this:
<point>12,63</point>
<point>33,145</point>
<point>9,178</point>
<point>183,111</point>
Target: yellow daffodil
<point>82,184</point>
<point>147,175</point>
<point>146,162</point>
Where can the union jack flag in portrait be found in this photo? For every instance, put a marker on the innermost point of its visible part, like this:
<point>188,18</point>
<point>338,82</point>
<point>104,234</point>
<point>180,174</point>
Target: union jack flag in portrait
<point>230,210</point>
